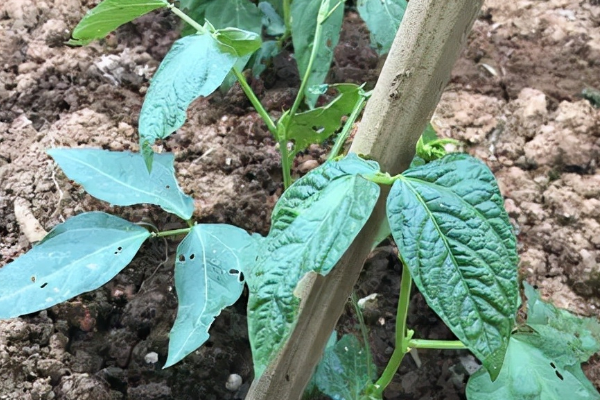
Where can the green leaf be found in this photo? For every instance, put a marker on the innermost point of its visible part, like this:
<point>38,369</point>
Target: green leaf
<point>343,373</point>
<point>448,220</point>
<point>535,367</point>
<point>240,14</point>
<point>383,18</point>
<point>242,43</point>
<point>108,16</point>
<point>195,66</point>
<point>318,124</point>
<point>271,20</point>
<point>305,14</point>
<point>580,335</point>
<point>121,178</point>
<point>77,256</point>
<point>429,134</point>
<point>313,224</point>
<point>208,277</point>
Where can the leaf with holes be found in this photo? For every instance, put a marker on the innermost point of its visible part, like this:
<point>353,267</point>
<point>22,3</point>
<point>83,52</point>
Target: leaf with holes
<point>448,220</point>
<point>383,18</point>
<point>77,256</point>
<point>305,17</point>
<point>535,367</point>
<point>208,277</point>
<point>121,178</point>
<point>318,124</point>
<point>108,16</point>
<point>580,335</point>
<point>346,370</point>
<point>313,224</point>
<point>195,66</point>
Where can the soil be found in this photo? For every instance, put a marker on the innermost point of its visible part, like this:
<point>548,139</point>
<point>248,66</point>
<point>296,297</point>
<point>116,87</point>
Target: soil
<point>514,100</point>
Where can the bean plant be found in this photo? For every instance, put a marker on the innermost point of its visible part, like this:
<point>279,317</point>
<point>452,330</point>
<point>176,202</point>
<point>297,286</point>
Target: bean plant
<point>445,214</point>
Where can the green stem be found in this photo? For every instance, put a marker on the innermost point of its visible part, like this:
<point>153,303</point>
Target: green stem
<point>436,344</point>
<point>173,232</point>
<point>285,162</point>
<point>402,336</point>
<point>186,18</point>
<point>363,331</point>
<point>255,102</point>
<point>343,136</point>
<point>382,178</point>
<point>323,11</point>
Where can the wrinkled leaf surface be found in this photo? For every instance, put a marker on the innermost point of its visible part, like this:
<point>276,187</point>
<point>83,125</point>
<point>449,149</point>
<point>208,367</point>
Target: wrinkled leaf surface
<point>313,224</point>
<point>318,124</point>
<point>448,220</point>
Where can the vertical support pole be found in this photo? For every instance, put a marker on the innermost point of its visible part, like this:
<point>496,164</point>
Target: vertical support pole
<point>417,69</point>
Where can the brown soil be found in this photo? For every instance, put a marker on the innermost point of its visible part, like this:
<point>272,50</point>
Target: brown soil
<point>514,100</point>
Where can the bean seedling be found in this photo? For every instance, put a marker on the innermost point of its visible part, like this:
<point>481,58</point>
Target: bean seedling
<point>445,214</point>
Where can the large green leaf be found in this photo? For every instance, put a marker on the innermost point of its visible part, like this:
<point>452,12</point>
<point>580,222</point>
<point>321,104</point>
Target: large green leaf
<point>580,335</point>
<point>535,367</point>
<point>448,220</point>
<point>208,277</point>
<point>195,66</point>
<point>109,15</point>
<point>240,14</point>
<point>383,18</point>
<point>318,124</point>
<point>346,370</point>
<point>77,256</point>
<point>305,16</point>
<point>121,178</point>
<point>313,224</point>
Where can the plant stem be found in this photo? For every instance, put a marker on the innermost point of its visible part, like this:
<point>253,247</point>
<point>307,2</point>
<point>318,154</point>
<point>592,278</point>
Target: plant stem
<point>285,161</point>
<point>255,102</point>
<point>323,11</point>
<point>173,232</point>
<point>186,18</point>
<point>341,139</point>
<point>382,178</point>
<point>402,339</point>
<point>436,344</point>
<point>363,331</point>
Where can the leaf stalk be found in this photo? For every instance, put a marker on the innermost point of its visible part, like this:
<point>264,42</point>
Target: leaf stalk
<point>173,232</point>
<point>402,336</point>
